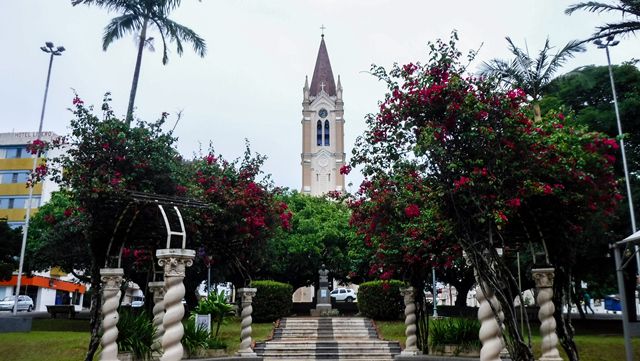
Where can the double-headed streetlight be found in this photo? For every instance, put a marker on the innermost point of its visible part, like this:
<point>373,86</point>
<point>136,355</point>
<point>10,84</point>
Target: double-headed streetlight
<point>49,48</point>
<point>609,42</point>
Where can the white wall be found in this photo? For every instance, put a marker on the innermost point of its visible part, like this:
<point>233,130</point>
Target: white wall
<point>46,296</point>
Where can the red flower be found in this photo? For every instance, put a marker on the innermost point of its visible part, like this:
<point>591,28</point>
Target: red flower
<point>210,159</point>
<point>345,169</point>
<point>412,211</point>
<point>77,101</point>
<point>502,216</point>
<point>560,116</point>
<point>461,182</point>
<point>513,203</point>
<point>68,212</point>
<point>547,189</point>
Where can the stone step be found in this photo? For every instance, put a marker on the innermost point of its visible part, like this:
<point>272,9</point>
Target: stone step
<point>323,338</point>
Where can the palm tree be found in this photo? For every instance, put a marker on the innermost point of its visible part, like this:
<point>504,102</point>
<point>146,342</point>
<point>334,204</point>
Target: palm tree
<point>530,75</point>
<point>626,8</point>
<point>137,16</point>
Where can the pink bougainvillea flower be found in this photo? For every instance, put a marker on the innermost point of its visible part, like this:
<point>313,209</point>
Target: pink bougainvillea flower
<point>412,210</point>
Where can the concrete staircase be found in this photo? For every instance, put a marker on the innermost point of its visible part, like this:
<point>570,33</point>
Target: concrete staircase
<point>327,338</point>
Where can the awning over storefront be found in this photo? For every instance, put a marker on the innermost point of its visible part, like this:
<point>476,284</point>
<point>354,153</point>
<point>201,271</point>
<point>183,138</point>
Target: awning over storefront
<point>46,282</point>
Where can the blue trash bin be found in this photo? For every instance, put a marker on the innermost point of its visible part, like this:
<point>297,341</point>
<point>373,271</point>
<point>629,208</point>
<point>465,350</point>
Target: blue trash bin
<point>612,303</point>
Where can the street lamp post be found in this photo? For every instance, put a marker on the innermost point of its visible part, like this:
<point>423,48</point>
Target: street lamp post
<point>53,51</point>
<point>605,45</point>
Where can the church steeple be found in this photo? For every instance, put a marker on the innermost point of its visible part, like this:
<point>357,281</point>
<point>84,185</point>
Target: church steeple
<point>322,130</point>
<point>322,75</point>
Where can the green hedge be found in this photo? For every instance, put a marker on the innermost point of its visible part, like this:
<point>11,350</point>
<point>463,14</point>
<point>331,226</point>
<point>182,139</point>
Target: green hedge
<point>381,300</point>
<point>273,300</point>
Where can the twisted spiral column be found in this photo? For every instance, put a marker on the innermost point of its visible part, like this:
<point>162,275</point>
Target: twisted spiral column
<point>111,281</point>
<point>410,322</point>
<point>174,262</point>
<point>158,290</point>
<point>490,332</point>
<point>246,295</point>
<point>544,284</point>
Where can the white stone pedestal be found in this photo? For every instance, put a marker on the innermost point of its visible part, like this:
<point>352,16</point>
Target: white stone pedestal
<point>158,290</point>
<point>544,283</point>
<point>111,281</point>
<point>246,295</point>
<point>411,348</point>
<point>174,261</point>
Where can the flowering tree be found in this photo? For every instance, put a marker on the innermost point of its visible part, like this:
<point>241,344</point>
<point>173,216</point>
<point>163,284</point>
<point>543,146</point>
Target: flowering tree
<point>242,214</point>
<point>103,160</point>
<point>453,163</point>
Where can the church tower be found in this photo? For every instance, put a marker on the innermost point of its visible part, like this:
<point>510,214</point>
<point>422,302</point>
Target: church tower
<point>322,130</point>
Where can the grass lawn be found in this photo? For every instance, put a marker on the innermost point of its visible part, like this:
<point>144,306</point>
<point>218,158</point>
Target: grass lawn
<point>592,347</point>
<point>67,340</point>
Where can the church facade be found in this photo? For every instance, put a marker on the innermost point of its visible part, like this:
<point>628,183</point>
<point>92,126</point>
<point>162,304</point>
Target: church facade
<point>322,130</point>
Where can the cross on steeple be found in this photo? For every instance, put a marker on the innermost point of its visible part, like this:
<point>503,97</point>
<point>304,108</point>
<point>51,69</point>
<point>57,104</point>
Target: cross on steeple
<point>322,86</point>
<point>322,27</point>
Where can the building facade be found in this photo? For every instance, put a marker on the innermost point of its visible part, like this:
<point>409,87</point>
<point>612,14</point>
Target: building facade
<point>322,130</point>
<point>16,163</point>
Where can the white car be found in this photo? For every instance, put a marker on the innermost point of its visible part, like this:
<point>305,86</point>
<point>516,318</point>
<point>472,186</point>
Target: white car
<point>25,303</point>
<point>344,294</point>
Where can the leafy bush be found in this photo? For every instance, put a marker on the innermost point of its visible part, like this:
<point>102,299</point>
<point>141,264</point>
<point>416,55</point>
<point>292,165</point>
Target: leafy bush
<point>273,300</point>
<point>195,338</point>
<point>381,300</point>
<point>215,344</point>
<point>135,333</point>
<point>454,331</point>
<point>215,304</point>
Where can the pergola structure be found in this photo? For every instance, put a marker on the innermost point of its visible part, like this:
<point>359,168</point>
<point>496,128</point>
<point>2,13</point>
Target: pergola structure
<point>168,310</point>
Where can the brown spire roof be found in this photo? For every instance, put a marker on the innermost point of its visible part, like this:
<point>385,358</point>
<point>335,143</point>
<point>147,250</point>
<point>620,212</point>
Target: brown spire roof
<point>322,74</point>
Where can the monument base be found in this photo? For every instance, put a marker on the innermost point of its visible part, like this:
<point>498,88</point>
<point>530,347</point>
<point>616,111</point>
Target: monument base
<point>322,309</point>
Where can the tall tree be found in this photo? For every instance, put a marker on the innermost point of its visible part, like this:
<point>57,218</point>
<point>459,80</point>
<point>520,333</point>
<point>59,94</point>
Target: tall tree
<point>104,160</point>
<point>319,233</point>
<point>454,161</point>
<point>629,10</point>
<point>137,17</point>
<point>532,75</point>
<point>9,249</point>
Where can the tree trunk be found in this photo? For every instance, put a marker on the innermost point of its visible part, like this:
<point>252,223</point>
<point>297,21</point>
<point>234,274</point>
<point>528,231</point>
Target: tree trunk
<point>463,288</point>
<point>564,329</point>
<point>136,72</point>
<point>537,114</point>
<point>96,302</point>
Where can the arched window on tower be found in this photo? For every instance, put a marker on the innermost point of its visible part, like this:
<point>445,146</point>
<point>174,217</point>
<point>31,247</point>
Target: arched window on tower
<point>319,133</point>
<point>326,132</point>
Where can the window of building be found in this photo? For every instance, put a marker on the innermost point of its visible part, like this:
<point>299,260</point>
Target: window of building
<point>13,177</point>
<point>14,152</point>
<point>326,132</point>
<point>18,202</point>
<point>319,133</point>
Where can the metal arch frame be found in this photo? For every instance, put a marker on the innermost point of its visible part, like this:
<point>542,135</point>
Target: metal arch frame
<point>170,233</point>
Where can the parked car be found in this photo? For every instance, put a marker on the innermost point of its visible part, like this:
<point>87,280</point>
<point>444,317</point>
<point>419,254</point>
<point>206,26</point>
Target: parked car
<point>25,303</point>
<point>344,294</point>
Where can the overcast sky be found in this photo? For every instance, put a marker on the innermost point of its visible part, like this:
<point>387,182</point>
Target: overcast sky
<point>249,85</point>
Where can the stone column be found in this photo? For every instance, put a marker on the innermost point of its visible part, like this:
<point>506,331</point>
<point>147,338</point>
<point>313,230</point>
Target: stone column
<point>490,332</point>
<point>544,284</point>
<point>411,348</point>
<point>246,295</point>
<point>111,281</point>
<point>174,262</point>
<point>157,288</point>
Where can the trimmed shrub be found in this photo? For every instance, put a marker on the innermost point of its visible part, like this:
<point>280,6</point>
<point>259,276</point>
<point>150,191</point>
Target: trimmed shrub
<point>381,300</point>
<point>273,300</point>
<point>462,332</point>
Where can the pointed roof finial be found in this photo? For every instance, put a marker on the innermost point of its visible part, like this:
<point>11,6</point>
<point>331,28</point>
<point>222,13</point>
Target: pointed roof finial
<point>322,27</point>
<point>322,79</point>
